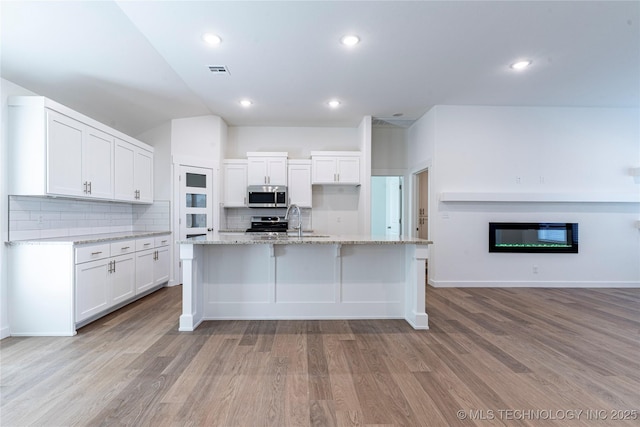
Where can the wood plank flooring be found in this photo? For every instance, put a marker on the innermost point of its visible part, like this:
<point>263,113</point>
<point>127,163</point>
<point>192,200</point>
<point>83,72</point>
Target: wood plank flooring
<point>513,357</point>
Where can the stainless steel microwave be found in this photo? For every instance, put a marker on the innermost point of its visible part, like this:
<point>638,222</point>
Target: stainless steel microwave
<point>267,196</point>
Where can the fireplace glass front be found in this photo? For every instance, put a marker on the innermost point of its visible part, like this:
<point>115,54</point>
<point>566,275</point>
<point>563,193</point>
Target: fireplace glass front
<point>533,237</point>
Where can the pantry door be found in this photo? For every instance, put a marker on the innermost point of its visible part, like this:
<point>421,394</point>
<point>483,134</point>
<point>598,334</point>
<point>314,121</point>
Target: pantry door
<point>196,202</point>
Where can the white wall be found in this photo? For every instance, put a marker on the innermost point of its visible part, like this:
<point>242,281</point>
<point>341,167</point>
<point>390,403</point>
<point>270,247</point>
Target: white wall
<point>388,151</point>
<point>7,89</point>
<point>530,150</point>
<point>297,141</point>
<point>160,139</point>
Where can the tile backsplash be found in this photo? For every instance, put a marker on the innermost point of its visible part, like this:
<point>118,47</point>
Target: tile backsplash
<point>44,217</point>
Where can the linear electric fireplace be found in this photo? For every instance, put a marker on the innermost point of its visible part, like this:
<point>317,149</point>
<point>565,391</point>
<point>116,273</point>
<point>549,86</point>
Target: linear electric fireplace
<point>533,237</point>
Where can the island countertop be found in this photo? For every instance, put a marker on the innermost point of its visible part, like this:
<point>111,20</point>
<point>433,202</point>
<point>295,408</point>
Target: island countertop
<point>314,239</point>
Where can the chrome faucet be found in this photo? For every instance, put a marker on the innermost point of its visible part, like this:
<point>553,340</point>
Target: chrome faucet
<point>286,217</point>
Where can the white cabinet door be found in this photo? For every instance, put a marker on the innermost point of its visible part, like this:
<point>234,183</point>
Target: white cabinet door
<point>64,155</point>
<point>124,158</point>
<point>161,265</point>
<point>79,159</point>
<point>93,293</point>
<point>235,184</point>
<point>144,270</point>
<point>133,173</point>
<point>336,169</point>
<point>277,171</point>
<point>97,163</point>
<point>143,175</point>
<point>324,170</point>
<point>300,184</point>
<point>267,171</point>
<point>123,278</point>
<point>348,170</point>
<point>257,172</point>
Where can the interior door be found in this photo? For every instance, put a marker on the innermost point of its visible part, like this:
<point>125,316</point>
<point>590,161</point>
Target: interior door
<point>196,202</point>
<point>394,206</point>
<point>422,227</point>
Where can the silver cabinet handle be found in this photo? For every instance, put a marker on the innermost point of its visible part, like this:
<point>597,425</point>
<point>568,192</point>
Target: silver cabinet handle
<point>146,244</point>
<point>126,247</point>
<point>114,265</point>
<point>89,187</point>
<point>96,253</point>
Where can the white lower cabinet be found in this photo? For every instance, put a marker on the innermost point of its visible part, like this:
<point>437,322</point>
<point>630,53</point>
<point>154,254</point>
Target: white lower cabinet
<point>105,277</point>
<point>93,293</point>
<point>144,270</point>
<point>75,284</point>
<point>161,266</point>
<point>124,278</point>
<point>152,265</point>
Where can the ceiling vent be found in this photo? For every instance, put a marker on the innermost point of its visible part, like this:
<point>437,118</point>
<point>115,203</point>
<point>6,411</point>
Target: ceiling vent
<point>218,69</point>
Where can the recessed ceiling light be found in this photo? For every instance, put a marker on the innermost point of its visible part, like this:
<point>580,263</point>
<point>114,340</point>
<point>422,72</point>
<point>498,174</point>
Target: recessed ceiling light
<point>334,103</point>
<point>211,39</point>
<point>246,103</point>
<point>350,40</point>
<point>521,65</point>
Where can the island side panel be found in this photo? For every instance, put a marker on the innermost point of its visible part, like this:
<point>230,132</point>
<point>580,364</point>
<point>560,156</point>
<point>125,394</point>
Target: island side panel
<point>373,280</point>
<point>415,309</point>
<point>240,281</point>
<point>193,261</point>
<point>41,290</point>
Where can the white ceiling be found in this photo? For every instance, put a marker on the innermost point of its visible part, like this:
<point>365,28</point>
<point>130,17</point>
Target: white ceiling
<point>136,64</point>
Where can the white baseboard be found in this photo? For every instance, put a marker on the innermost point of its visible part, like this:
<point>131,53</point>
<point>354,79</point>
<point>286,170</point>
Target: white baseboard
<point>5,333</point>
<point>531,284</point>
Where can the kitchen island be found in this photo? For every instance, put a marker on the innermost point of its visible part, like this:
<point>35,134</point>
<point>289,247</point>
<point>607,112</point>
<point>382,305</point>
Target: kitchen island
<point>309,277</point>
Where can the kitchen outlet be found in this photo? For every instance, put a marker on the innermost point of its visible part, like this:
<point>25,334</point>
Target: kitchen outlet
<point>535,269</point>
<point>518,180</point>
<point>338,219</point>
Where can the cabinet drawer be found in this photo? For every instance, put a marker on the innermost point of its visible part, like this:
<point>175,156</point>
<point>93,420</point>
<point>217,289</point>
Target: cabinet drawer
<point>92,253</point>
<point>123,247</point>
<point>163,241</point>
<point>146,243</point>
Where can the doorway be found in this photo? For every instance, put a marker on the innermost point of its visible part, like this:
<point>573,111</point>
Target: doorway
<point>196,202</point>
<point>386,205</point>
<point>422,203</point>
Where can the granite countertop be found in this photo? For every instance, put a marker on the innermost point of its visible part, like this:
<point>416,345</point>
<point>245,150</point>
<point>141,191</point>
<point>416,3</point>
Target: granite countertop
<point>308,239</point>
<point>89,238</point>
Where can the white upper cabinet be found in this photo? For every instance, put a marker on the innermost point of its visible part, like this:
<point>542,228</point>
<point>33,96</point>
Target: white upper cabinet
<point>335,167</point>
<point>79,158</point>
<point>299,181</point>
<point>266,168</point>
<point>97,163</point>
<point>64,160</point>
<point>54,150</point>
<point>235,183</point>
<point>133,173</point>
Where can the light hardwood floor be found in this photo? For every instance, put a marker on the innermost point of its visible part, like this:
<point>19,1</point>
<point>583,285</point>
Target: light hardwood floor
<point>500,356</point>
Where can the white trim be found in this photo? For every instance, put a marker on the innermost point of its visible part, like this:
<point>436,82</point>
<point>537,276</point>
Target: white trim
<point>531,284</point>
<point>595,197</point>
